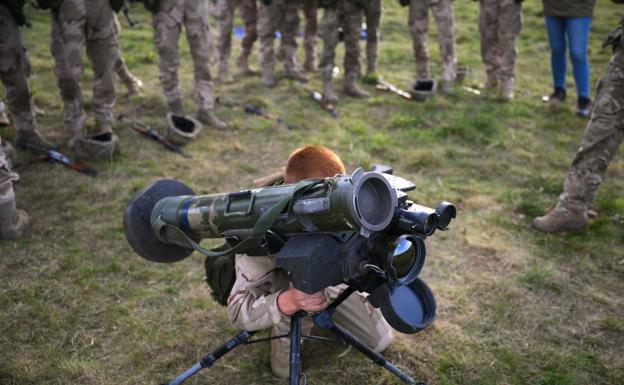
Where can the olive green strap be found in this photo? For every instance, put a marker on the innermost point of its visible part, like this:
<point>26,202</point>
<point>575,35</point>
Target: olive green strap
<point>263,224</point>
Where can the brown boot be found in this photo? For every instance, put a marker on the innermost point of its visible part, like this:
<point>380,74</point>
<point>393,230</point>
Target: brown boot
<point>351,88</point>
<point>16,227</point>
<point>506,91</point>
<point>280,355</point>
<point>209,118</point>
<point>267,77</point>
<point>243,65</point>
<point>296,74</point>
<point>32,139</point>
<point>176,107</point>
<point>329,92</point>
<point>561,219</point>
<point>134,85</point>
<point>223,74</point>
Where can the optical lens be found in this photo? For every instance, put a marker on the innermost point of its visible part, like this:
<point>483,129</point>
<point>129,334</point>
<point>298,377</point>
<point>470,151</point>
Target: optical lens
<point>404,257</point>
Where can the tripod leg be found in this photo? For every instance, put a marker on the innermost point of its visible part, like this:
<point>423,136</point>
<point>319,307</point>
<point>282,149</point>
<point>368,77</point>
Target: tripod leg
<point>295,349</point>
<point>208,360</point>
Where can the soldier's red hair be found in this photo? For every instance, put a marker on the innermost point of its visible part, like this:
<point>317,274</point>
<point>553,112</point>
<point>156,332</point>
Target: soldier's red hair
<point>312,162</point>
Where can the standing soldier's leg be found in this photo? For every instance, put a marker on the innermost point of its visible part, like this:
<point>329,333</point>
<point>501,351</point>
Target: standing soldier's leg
<point>352,14</point>
<point>199,41</point>
<point>443,13</point>
<point>68,40</point>
<point>510,24</point>
<point>13,222</point>
<point>310,8</point>
<point>269,19</point>
<point>132,83</point>
<point>328,32</point>
<point>223,11</point>
<point>488,28</point>
<point>249,14</point>
<point>601,140</point>
<point>373,19</point>
<point>167,24</point>
<point>14,72</point>
<point>102,50</point>
<point>289,28</point>
<point>418,22</point>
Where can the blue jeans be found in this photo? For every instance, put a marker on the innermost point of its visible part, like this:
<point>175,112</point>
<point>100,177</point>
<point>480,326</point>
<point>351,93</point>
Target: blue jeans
<point>576,31</point>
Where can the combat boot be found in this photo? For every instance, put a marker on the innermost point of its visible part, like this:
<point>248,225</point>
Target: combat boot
<point>208,117</point>
<point>134,85</point>
<point>267,77</point>
<point>351,88</point>
<point>506,91</point>
<point>243,65</point>
<point>490,87</point>
<point>4,119</point>
<point>13,222</point>
<point>296,74</point>
<point>25,139</point>
<point>308,64</point>
<point>329,92</point>
<point>561,219</point>
<point>280,355</point>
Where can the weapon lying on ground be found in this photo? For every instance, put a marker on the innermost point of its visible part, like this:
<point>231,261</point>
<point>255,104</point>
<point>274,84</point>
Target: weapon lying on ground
<point>385,86</point>
<point>254,110</point>
<point>151,133</point>
<point>59,157</point>
<point>318,97</point>
<point>360,229</point>
<point>472,90</point>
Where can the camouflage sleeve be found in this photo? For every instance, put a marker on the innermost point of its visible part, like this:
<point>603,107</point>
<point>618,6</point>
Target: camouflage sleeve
<point>253,301</point>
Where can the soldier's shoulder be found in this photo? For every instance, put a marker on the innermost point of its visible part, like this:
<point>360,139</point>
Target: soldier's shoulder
<point>254,268</point>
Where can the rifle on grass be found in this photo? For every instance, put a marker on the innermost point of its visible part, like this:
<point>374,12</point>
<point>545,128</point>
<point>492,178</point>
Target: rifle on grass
<point>318,97</point>
<point>254,110</point>
<point>59,157</point>
<point>151,133</point>
<point>385,86</point>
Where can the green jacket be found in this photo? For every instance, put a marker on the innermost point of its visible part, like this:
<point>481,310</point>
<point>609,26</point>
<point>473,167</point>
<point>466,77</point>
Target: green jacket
<point>569,8</point>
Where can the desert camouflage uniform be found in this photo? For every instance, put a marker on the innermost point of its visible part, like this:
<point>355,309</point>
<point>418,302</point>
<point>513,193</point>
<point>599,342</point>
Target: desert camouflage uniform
<point>14,72</point>
<point>253,304</point>
<point>280,15</point>
<point>310,8</point>
<point>418,21</point>
<point>347,14</point>
<point>373,19</point>
<point>167,23</point>
<point>500,22</point>
<point>121,69</point>
<point>13,222</point>
<point>602,138</point>
<point>223,12</point>
<point>76,24</point>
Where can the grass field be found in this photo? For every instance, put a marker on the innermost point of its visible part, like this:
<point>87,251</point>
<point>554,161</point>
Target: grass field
<point>515,306</point>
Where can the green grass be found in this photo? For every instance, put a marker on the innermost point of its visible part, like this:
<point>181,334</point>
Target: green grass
<point>515,306</point>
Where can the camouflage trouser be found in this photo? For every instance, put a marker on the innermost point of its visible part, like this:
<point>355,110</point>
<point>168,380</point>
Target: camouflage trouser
<point>418,21</point>
<point>373,19</point>
<point>280,15</point>
<point>348,14</point>
<point>223,12</point>
<point>167,23</point>
<point>14,72</point>
<point>500,22</point>
<point>356,315</point>
<point>602,138</point>
<point>76,24</point>
<point>119,65</point>
<point>7,177</point>
<point>310,8</point>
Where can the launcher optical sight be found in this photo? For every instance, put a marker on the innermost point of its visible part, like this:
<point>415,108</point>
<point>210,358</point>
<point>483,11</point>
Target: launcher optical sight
<point>359,229</point>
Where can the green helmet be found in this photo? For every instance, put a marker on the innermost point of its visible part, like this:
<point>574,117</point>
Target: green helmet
<point>182,130</point>
<point>97,147</point>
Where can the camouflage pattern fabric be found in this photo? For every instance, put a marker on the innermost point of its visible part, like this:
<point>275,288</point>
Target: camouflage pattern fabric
<point>223,12</point>
<point>500,22</point>
<point>373,19</point>
<point>76,24</point>
<point>7,177</point>
<point>418,22</point>
<point>280,15</point>
<point>119,64</point>
<point>347,14</point>
<point>602,138</point>
<point>253,304</point>
<point>167,23</point>
<point>14,72</point>
<point>310,14</point>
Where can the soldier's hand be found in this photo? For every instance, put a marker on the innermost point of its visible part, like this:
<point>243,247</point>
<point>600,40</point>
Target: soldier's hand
<point>292,300</point>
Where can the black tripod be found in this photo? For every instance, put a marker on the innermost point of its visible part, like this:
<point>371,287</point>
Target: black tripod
<point>322,320</point>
